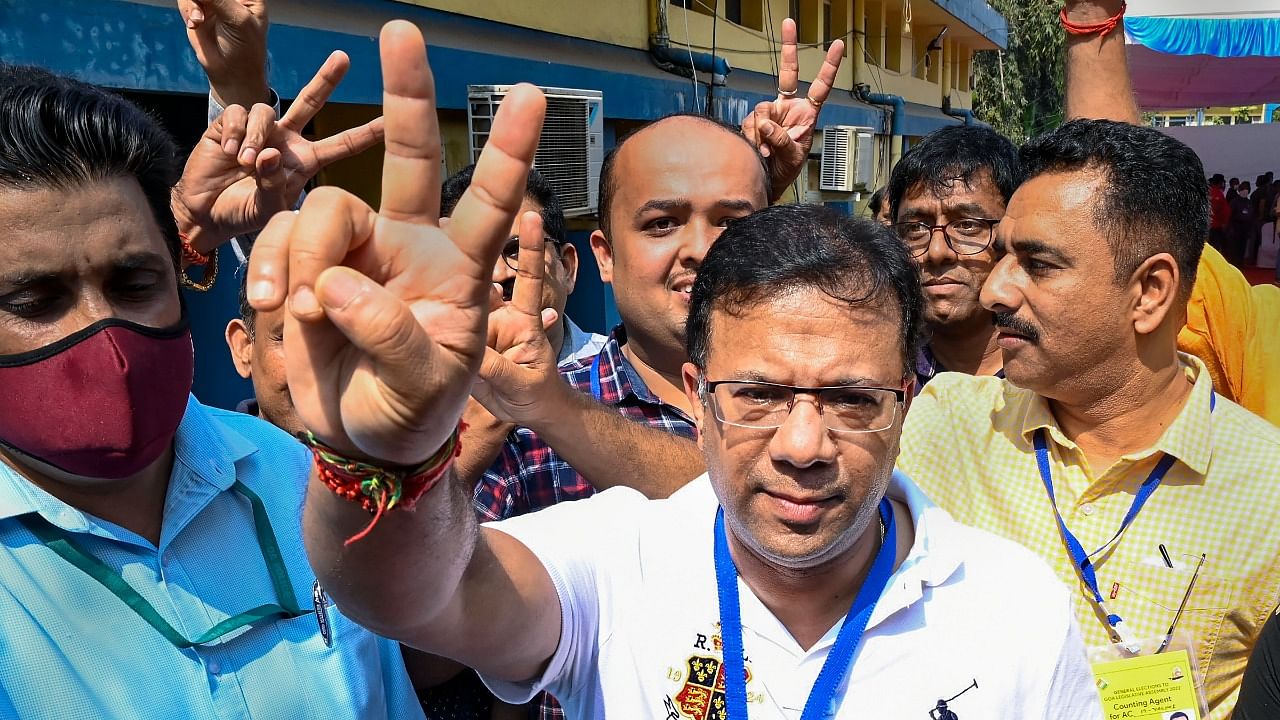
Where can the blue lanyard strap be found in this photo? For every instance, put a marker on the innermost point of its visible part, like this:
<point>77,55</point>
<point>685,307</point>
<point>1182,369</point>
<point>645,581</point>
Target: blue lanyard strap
<point>1080,559</point>
<point>839,659</point>
<point>596,392</point>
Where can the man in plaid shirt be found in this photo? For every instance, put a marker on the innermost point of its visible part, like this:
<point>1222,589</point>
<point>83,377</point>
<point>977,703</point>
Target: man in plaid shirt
<point>667,191</point>
<point>622,417</point>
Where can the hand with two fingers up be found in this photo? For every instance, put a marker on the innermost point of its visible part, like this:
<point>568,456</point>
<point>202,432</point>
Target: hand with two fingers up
<point>387,310</point>
<point>248,165</point>
<point>783,127</point>
<point>519,366</point>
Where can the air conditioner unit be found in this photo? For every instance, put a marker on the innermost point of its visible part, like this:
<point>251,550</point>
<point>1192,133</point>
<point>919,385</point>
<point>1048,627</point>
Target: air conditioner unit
<point>571,148</point>
<point>848,158</point>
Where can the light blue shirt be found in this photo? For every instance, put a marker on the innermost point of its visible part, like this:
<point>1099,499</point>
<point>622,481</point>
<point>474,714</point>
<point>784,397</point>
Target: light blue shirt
<point>579,343</point>
<point>70,649</point>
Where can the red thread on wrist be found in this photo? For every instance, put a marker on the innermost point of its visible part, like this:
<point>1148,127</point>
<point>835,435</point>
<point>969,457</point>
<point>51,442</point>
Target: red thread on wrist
<point>379,490</point>
<point>1103,28</point>
<point>190,255</point>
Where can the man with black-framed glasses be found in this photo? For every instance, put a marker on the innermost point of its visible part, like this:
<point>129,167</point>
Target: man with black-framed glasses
<point>947,196</point>
<point>459,692</point>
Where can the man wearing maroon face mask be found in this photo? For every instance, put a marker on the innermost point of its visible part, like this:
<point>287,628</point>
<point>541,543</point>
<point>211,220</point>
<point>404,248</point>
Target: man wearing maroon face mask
<point>152,560</point>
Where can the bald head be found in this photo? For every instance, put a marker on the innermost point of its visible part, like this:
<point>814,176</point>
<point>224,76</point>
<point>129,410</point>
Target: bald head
<point>685,140</point>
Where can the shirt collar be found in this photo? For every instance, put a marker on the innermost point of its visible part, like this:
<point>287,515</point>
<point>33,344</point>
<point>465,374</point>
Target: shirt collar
<point>577,343</point>
<point>618,377</point>
<point>204,464</point>
<point>1188,438</point>
<point>926,366</point>
<point>935,556</point>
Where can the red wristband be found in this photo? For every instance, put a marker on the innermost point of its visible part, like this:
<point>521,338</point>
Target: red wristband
<point>1103,28</point>
<point>190,255</point>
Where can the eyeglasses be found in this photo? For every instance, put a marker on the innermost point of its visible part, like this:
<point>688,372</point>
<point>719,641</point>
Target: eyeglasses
<point>844,408</point>
<point>511,251</point>
<point>966,236</point>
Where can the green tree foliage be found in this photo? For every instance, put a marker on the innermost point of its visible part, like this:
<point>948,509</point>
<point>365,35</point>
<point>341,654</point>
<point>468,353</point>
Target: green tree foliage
<point>1019,91</point>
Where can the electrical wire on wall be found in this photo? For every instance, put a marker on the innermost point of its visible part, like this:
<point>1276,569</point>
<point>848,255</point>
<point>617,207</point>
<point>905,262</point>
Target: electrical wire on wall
<point>711,86</point>
<point>693,70</point>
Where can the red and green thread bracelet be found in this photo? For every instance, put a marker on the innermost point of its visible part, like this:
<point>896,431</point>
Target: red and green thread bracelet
<point>378,489</point>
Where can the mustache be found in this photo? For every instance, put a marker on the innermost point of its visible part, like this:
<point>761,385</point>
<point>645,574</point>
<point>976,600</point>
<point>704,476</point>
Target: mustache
<point>689,275</point>
<point>1013,324</point>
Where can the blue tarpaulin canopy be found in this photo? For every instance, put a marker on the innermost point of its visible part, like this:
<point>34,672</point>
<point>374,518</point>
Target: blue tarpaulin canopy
<point>1189,54</point>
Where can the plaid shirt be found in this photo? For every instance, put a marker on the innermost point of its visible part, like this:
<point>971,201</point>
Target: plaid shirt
<point>528,475</point>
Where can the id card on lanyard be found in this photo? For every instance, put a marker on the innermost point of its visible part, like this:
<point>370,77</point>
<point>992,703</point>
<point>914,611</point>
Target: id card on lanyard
<point>1137,678</point>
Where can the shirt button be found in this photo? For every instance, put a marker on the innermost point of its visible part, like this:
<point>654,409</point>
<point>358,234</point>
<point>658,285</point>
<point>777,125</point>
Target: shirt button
<point>214,667</point>
<point>1087,509</point>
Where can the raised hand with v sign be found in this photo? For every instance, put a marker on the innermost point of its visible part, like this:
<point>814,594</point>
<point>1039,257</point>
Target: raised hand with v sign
<point>248,166</point>
<point>783,127</point>
<point>387,310</point>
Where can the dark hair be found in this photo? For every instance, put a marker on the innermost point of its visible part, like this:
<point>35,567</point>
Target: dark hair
<point>59,133</point>
<point>247,314</point>
<point>1260,181</point>
<point>956,153</point>
<point>1177,715</point>
<point>778,249</point>
<point>1234,181</point>
<point>1152,199</point>
<point>1218,179</point>
<point>609,185</point>
<point>874,203</point>
<point>536,188</point>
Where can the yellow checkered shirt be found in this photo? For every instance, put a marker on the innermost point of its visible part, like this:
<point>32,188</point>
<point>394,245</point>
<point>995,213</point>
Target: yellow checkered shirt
<point>968,444</point>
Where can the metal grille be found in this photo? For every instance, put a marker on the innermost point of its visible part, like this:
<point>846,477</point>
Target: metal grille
<point>562,151</point>
<point>570,148</point>
<point>836,150</point>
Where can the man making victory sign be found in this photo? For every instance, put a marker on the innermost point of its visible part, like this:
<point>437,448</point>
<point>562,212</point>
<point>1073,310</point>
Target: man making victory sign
<point>386,331</point>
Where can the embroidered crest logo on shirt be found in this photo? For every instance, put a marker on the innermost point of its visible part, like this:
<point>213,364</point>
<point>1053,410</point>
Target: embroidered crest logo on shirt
<point>702,696</point>
<point>702,691</point>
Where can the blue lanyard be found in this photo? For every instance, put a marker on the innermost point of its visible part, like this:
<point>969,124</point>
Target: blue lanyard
<point>1080,559</point>
<point>596,392</point>
<point>839,659</point>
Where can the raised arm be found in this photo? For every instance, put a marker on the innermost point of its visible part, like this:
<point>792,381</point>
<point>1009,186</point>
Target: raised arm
<point>1098,85</point>
<point>230,41</point>
<point>385,332</point>
<point>519,383</point>
<point>610,450</point>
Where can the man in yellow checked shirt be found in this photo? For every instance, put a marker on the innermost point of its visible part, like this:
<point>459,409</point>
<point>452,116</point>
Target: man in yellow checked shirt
<point>1106,442</point>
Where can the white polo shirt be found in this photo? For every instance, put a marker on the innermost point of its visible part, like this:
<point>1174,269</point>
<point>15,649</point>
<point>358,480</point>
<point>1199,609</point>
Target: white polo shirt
<point>640,621</point>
